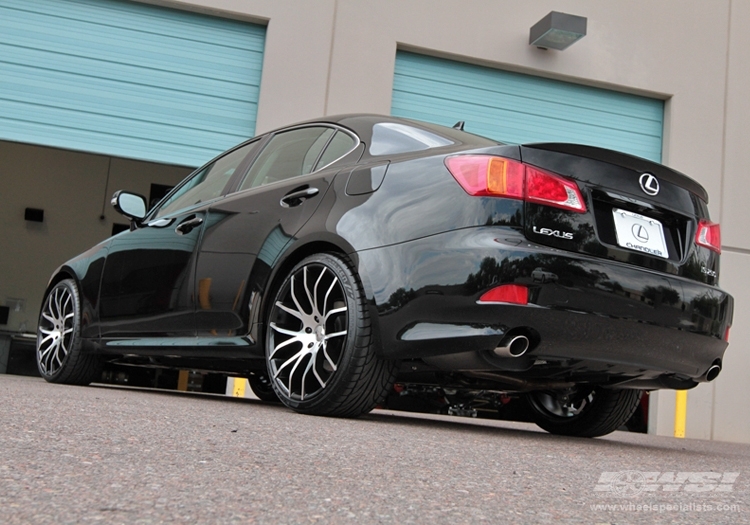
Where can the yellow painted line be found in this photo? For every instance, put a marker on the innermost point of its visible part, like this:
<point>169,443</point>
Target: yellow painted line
<point>680,413</point>
<point>182,380</point>
<point>238,388</point>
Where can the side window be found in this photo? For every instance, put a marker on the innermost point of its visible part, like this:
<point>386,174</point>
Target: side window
<point>288,154</point>
<point>208,183</point>
<point>341,144</point>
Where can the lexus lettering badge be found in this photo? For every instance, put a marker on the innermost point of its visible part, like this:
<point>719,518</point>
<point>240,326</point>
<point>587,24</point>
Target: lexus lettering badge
<point>649,184</point>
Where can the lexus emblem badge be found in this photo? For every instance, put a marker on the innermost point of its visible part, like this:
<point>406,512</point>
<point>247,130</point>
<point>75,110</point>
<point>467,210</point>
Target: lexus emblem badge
<point>640,233</point>
<point>649,184</point>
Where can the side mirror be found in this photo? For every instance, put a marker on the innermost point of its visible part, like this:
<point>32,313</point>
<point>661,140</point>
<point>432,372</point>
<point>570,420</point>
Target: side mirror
<point>131,205</point>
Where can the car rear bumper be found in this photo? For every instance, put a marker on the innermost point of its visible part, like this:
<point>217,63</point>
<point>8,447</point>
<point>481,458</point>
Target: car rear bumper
<point>585,315</point>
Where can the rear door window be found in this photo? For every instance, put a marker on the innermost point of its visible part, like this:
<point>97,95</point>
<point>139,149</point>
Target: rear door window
<point>297,152</point>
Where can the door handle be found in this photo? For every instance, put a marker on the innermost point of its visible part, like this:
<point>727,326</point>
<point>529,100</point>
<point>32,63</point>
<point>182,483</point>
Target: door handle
<point>187,226</point>
<point>295,198</point>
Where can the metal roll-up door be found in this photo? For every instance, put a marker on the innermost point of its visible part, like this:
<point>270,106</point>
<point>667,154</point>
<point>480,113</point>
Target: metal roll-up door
<point>127,79</point>
<point>517,108</point>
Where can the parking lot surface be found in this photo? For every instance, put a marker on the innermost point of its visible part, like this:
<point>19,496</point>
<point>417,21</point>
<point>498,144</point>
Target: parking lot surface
<point>104,454</point>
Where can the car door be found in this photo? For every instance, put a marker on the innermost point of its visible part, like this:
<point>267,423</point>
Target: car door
<point>247,232</point>
<point>147,293</point>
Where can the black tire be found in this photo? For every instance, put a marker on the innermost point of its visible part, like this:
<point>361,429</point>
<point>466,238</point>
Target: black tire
<point>588,413</point>
<point>59,356</point>
<point>319,345</point>
<point>262,388</point>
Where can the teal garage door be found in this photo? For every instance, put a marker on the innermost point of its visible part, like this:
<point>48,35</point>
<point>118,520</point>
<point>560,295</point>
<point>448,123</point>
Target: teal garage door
<point>127,79</point>
<point>516,108</point>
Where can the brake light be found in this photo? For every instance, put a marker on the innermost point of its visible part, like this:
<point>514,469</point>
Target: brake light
<point>506,293</point>
<point>709,235</point>
<point>726,334</point>
<point>491,176</point>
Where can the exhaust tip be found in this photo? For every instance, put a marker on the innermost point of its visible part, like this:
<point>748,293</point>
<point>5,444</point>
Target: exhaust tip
<point>514,346</point>
<point>713,372</point>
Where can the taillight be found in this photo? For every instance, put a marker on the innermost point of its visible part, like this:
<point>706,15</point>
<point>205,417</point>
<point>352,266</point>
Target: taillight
<point>709,235</point>
<point>506,293</point>
<point>490,176</point>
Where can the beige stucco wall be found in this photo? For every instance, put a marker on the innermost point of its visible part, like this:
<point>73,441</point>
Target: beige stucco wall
<point>72,189</point>
<point>337,56</point>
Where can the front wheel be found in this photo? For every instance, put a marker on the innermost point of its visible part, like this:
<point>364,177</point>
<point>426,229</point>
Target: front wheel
<point>588,412</point>
<point>319,346</point>
<point>59,356</point>
<point>262,388</point>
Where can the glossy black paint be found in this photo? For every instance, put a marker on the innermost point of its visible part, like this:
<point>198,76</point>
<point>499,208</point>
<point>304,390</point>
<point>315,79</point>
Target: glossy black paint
<point>425,252</point>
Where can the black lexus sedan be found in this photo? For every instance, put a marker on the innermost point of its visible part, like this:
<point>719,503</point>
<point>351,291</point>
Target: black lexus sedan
<point>327,260</point>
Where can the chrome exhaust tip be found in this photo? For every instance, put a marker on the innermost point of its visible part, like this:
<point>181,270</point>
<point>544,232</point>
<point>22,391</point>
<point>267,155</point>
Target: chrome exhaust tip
<point>713,372</point>
<point>514,346</point>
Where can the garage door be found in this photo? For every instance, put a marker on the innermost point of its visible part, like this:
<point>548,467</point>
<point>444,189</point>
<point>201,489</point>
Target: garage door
<point>516,108</point>
<point>127,79</point>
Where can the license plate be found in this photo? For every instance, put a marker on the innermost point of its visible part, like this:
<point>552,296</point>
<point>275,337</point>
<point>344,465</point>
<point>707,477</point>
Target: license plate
<point>639,233</point>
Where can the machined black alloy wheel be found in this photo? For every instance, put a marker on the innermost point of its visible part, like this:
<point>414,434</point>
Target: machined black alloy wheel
<point>318,348</point>
<point>588,412</point>
<point>58,351</point>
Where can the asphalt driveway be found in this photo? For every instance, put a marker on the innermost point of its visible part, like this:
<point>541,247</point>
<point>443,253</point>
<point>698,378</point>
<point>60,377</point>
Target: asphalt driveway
<point>106,454</point>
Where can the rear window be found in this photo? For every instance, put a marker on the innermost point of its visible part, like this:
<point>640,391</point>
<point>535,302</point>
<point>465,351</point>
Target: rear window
<point>391,138</point>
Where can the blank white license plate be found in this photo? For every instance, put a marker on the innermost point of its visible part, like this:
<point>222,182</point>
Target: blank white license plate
<point>640,233</point>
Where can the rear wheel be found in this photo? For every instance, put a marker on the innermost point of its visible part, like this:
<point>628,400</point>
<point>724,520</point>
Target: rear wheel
<point>58,349</point>
<point>319,349</point>
<point>588,412</point>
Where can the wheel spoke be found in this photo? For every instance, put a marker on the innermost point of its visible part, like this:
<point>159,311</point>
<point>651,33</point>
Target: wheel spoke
<point>282,345</point>
<point>328,358</point>
<point>68,298</point>
<point>58,304</point>
<point>315,373</point>
<point>46,351</point>
<point>47,338</point>
<point>335,334</point>
<point>304,376</point>
<point>335,311</point>
<point>325,300</point>
<point>301,354</point>
<point>287,362</point>
<point>307,290</point>
<point>284,330</point>
<point>294,298</point>
<point>315,292</point>
<point>291,311</point>
<point>57,357</point>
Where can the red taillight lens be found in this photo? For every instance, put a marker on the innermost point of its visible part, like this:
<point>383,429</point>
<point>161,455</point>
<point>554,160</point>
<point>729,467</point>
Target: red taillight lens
<point>490,176</point>
<point>544,188</point>
<point>726,334</point>
<point>482,175</point>
<point>506,293</point>
<point>709,235</point>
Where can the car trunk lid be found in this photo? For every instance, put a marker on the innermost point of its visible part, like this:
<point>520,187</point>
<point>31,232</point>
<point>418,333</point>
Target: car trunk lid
<point>638,212</point>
